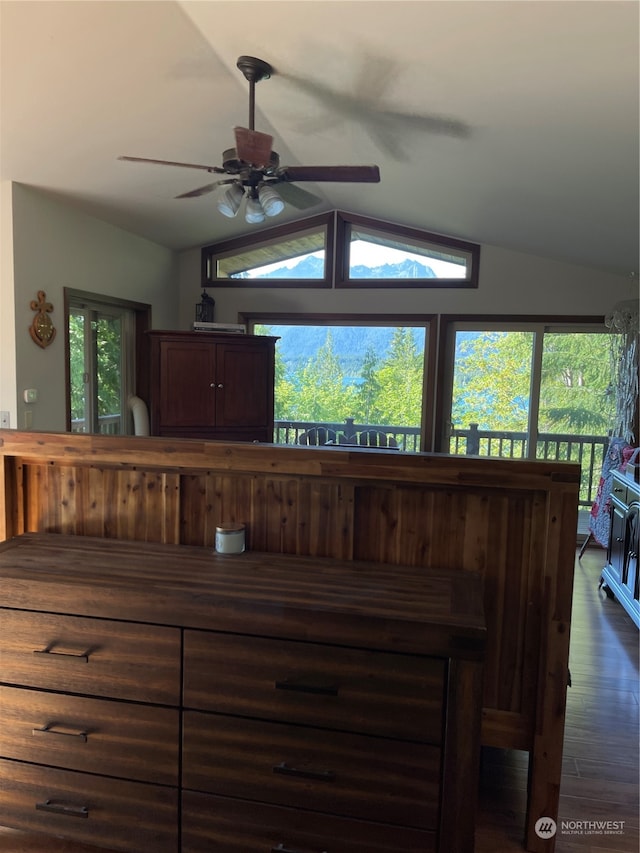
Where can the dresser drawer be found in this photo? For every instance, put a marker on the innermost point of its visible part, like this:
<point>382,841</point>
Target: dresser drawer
<point>92,656</point>
<point>96,735</point>
<point>127,816</point>
<point>347,774</point>
<point>211,823</point>
<point>362,691</point>
<point>620,490</point>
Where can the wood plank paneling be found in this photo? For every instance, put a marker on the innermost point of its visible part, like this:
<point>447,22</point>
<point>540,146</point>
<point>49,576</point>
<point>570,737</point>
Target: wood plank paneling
<point>86,501</point>
<point>511,521</point>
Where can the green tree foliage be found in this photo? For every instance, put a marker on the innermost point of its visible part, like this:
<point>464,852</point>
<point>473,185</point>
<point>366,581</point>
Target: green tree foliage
<point>320,390</point>
<point>491,381</point>
<point>76,361</point>
<point>575,393</point>
<point>106,335</point>
<point>285,391</point>
<point>399,379</point>
<point>368,391</point>
<point>493,376</point>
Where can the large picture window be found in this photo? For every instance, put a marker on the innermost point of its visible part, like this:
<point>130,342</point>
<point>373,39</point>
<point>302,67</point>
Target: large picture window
<point>350,381</point>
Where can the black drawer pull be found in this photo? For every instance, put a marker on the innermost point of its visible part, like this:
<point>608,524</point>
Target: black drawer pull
<point>282,849</point>
<point>57,807</point>
<point>304,773</point>
<point>50,729</point>
<point>308,684</point>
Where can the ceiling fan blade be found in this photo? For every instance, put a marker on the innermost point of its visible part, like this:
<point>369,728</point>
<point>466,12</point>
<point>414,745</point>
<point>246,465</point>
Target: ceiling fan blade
<point>338,174</point>
<point>296,196</point>
<point>252,146</point>
<point>216,169</point>
<point>208,188</point>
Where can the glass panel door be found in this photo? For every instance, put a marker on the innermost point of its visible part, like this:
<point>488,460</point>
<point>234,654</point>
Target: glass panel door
<point>533,392</point>
<point>100,362</point>
<point>491,393</point>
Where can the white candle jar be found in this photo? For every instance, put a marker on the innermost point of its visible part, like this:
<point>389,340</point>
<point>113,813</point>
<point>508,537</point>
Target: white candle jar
<point>230,539</point>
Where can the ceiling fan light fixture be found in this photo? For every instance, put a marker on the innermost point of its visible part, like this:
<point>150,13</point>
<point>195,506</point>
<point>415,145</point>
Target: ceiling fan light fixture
<point>271,202</point>
<point>253,212</point>
<point>229,204</point>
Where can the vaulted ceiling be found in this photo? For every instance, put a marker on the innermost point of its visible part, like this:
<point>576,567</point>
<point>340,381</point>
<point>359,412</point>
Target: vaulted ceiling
<point>547,90</point>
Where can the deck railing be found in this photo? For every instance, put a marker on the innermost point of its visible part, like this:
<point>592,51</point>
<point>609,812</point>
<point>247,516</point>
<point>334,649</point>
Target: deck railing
<point>348,432</point>
<point>108,425</point>
<point>588,450</point>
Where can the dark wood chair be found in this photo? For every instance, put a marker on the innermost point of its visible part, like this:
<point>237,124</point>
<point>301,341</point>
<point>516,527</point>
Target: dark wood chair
<point>371,438</point>
<point>317,436</point>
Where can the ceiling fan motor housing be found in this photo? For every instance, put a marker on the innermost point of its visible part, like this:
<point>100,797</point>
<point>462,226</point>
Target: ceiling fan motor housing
<point>233,165</point>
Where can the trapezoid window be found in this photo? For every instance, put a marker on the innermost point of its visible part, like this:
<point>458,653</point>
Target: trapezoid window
<point>377,254</point>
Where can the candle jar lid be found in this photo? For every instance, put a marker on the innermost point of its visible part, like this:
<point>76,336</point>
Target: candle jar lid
<point>231,527</point>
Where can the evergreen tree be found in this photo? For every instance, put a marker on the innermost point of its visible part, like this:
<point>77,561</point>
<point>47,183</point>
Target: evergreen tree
<point>368,390</point>
<point>400,379</point>
<point>321,395</point>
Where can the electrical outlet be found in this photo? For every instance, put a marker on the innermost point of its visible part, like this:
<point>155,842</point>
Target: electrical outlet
<point>4,420</point>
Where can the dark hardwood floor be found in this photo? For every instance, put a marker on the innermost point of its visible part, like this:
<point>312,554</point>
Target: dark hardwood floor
<point>601,745</point>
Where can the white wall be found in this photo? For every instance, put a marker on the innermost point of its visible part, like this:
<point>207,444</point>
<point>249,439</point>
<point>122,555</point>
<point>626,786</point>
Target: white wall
<point>7,313</point>
<point>57,246</point>
<point>510,283</point>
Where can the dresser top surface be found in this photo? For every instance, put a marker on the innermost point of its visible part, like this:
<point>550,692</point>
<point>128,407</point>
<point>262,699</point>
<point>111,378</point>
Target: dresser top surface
<point>298,597</point>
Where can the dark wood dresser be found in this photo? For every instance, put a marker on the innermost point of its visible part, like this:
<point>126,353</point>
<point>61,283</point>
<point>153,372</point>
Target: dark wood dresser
<point>167,698</point>
<point>620,574</point>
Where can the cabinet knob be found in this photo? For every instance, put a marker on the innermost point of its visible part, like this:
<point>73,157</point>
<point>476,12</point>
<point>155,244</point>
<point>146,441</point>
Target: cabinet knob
<point>221,385</point>
<point>212,385</point>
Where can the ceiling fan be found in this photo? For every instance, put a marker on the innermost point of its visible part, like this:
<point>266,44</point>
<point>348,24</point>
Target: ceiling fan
<point>254,167</point>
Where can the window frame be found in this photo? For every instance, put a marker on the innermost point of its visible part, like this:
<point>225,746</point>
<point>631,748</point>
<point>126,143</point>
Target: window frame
<point>336,272</point>
<point>537,324</point>
<point>427,321</point>
<point>210,255</point>
<point>139,356</point>
<point>344,223</point>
